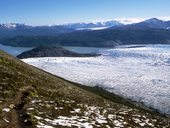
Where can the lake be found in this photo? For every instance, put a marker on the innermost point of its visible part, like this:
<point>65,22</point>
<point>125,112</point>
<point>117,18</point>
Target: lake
<point>14,50</point>
<point>18,50</point>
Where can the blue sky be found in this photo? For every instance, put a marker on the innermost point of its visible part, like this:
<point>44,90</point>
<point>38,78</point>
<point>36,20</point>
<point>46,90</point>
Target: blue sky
<point>43,12</point>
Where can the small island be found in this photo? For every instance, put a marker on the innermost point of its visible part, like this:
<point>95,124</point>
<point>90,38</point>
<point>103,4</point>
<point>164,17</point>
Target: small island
<point>52,51</point>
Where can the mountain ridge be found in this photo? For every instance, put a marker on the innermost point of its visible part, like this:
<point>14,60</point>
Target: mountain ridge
<point>16,29</point>
<point>151,31</point>
<point>100,38</point>
<point>152,23</point>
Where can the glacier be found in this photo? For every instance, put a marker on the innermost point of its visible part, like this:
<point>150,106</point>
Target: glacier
<point>141,74</point>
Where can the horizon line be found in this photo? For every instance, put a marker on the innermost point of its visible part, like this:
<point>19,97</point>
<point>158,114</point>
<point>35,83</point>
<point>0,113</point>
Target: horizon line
<point>120,20</point>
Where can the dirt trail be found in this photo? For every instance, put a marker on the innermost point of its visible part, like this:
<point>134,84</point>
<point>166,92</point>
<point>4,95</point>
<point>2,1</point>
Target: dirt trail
<point>19,117</point>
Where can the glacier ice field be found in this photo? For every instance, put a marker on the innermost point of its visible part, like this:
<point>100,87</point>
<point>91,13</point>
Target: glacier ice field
<point>141,74</point>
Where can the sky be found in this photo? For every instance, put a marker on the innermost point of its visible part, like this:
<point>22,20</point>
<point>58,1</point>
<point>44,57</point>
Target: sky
<point>50,12</point>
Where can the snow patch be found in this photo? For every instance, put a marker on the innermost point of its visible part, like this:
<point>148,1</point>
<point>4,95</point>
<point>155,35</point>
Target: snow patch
<point>30,109</point>
<point>6,109</point>
<point>95,28</point>
<point>44,126</point>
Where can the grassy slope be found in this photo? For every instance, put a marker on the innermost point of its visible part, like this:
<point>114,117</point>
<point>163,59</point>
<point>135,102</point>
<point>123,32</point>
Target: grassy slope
<point>37,95</point>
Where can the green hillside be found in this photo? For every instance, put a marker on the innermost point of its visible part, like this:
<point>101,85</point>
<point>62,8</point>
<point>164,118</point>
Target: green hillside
<point>32,98</point>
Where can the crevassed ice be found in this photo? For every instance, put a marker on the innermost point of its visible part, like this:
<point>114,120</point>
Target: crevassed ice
<point>141,74</point>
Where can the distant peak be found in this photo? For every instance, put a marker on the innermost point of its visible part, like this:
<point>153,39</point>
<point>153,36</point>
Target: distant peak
<point>9,25</point>
<point>153,20</point>
<point>12,25</point>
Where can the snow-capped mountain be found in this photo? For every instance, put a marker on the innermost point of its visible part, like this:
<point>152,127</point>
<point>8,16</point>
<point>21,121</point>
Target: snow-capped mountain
<point>13,25</point>
<point>134,23</point>
<point>151,23</point>
<point>94,25</point>
<point>154,22</point>
<point>16,29</point>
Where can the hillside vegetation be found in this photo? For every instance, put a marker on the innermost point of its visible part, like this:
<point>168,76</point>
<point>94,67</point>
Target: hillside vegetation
<point>30,97</point>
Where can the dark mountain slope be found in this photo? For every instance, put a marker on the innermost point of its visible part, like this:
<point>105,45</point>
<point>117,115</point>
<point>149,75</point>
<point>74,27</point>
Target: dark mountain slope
<point>51,51</point>
<point>102,38</point>
<point>30,97</point>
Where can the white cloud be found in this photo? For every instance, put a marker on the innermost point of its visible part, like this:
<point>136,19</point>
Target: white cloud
<point>137,20</point>
<point>130,20</point>
<point>165,18</point>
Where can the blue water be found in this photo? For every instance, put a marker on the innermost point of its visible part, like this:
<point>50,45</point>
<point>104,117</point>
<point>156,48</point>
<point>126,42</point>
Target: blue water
<point>18,50</point>
<point>14,50</point>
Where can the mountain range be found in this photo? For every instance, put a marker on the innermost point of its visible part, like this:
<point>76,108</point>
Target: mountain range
<point>112,33</point>
<point>94,25</point>
<point>153,22</point>
<point>15,29</point>
<point>12,29</point>
<point>150,23</point>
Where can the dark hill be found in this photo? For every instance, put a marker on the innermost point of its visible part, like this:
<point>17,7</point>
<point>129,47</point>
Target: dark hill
<point>51,51</point>
<point>31,98</point>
